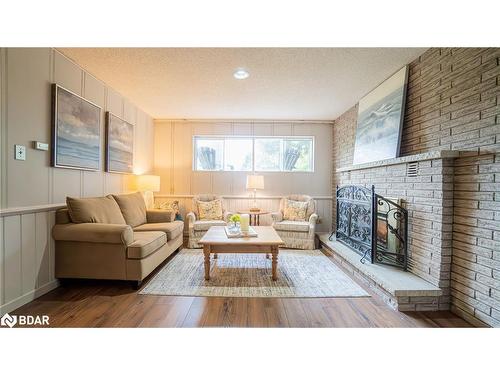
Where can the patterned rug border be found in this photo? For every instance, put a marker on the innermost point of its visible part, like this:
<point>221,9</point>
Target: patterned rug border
<point>345,283</point>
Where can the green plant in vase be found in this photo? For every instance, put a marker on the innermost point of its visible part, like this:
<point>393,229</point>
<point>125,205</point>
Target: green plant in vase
<point>234,220</point>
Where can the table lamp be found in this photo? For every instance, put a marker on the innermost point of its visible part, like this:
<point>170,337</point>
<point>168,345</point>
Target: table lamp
<point>147,184</point>
<point>255,182</point>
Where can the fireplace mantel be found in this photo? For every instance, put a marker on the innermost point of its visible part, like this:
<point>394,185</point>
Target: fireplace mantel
<point>441,154</point>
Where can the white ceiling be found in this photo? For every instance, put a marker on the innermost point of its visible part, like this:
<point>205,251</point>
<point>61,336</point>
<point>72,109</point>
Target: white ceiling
<point>284,83</point>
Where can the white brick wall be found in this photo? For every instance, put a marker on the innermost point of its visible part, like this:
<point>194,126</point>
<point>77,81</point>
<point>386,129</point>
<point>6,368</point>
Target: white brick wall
<point>452,104</point>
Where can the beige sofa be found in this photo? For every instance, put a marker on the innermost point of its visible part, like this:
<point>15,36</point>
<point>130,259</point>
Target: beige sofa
<point>113,237</point>
<point>197,227</point>
<point>297,234</point>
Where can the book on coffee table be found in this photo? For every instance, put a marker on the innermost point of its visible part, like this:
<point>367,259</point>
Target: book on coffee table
<point>239,234</point>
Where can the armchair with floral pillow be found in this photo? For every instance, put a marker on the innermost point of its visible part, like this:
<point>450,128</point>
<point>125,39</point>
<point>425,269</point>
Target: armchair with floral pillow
<point>295,222</point>
<point>207,210</point>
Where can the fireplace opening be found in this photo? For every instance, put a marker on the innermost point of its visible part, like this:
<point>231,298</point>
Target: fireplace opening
<point>374,226</point>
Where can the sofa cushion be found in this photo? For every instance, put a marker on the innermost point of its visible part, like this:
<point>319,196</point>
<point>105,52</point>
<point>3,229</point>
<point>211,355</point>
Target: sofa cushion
<point>133,208</point>
<point>145,243</point>
<point>295,210</point>
<point>172,229</point>
<point>159,216</point>
<point>292,226</point>
<point>102,210</point>
<point>94,232</point>
<point>201,225</point>
<point>211,210</point>
<point>62,216</point>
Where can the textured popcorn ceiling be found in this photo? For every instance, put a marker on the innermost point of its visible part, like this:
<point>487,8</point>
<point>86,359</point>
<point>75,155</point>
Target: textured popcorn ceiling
<point>284,83</point>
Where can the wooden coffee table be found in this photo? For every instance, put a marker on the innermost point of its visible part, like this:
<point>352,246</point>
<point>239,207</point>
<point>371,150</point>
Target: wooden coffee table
<point>216,241</point>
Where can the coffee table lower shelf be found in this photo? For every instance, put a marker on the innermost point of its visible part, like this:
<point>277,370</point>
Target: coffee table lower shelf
<point>216,241</point>
<point>215,249</point>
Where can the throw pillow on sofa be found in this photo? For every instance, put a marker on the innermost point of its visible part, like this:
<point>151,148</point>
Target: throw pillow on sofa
<point>295,210</point>
<point>170,206</point>
<point>210,210</point>
<point>133,208</point>
<point>103,210</point>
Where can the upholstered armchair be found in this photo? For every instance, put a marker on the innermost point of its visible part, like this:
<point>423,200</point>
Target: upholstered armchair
<point>197,226</point>
<point>297,234</point>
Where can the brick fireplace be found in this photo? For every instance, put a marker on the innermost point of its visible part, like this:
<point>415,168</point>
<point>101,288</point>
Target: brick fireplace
<point>424,184</point>
<point>452,104</point>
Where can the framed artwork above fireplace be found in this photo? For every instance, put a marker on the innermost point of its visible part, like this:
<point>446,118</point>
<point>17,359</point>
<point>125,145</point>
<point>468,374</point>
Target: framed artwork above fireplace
<point>380,120</point>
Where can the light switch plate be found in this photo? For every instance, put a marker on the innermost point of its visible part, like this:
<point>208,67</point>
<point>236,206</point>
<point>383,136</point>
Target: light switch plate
<point>40,146</point>
<point>20,152</point>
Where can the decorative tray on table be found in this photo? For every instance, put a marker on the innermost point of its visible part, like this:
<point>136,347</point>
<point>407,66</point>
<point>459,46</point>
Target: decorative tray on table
<point>232,233</point>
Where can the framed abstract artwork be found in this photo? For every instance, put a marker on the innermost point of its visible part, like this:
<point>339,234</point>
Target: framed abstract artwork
<point>76,131</point>
<point>380,120</point>
<point>119,145</point>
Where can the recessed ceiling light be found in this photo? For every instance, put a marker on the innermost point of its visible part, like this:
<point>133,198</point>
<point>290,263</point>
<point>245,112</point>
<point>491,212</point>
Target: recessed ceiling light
<point>241,73</point>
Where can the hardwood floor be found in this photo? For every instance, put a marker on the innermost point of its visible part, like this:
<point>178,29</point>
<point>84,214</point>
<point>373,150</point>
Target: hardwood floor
<point>84,303</point>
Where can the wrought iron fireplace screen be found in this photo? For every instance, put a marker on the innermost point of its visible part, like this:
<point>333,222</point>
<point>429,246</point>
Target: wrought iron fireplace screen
<point>373,226</point>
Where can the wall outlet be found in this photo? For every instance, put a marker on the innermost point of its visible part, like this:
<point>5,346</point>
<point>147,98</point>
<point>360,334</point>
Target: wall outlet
<point>19,152</point>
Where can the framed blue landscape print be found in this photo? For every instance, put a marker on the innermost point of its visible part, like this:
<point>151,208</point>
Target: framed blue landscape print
<point>119,145</point>
<point>380,120</point>
<point>76,131</point>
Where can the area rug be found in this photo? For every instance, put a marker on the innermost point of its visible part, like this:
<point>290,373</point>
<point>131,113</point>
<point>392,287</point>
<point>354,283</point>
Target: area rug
<point>301,273</point>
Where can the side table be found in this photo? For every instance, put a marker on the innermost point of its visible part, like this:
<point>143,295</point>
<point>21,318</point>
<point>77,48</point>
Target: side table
<point>254,216</point>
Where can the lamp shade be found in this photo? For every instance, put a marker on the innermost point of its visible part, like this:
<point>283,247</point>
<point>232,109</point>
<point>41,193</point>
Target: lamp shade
<point>148,182</point>
<point>255,182</point>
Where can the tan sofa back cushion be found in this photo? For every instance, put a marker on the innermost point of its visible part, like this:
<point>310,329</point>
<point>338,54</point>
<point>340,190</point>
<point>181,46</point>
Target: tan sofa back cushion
<point>133,208</point>
<point>62,216</point>
<point>102,210</point>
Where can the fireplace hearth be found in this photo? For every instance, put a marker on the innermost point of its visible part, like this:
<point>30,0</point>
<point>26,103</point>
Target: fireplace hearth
<point>374,226</point>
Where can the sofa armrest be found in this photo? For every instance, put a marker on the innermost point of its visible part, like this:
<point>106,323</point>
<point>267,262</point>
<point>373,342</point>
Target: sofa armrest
<point>94,232</point>
<point>191,218</point>
<point>277,216</point>
<point>312,220</point>
<point>159,216</point>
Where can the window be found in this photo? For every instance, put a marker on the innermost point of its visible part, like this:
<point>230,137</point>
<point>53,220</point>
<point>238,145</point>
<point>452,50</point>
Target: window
<point>238,154</point>
<point>268,154</point>
<point>261,154</point>
<point>297,155</point>
<point>209,154</point>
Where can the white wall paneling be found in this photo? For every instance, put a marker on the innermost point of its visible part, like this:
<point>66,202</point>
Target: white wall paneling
<point>173,163</point>
<point>31,190</point>
<point>174,147</point>
<point>26,257</point>
<point>29,262</point>
<point>27,75</point>
<point>12,258</point>
<point>2,257</point>
<point>3,129</point>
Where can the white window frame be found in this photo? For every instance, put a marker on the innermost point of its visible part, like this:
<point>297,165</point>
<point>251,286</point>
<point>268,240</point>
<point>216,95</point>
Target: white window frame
<point>253,138</point>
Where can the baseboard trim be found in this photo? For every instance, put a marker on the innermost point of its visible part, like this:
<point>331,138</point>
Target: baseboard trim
<point>28,297</point>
